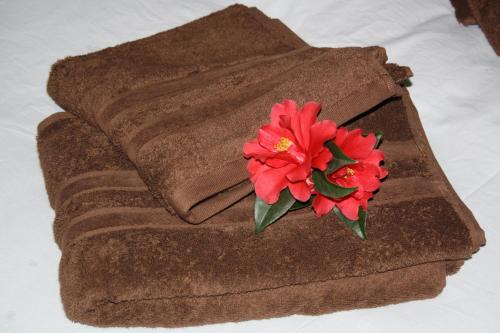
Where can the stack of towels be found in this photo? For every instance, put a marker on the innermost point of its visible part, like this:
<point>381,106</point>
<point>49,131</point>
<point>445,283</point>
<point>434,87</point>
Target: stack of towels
<point>154,209</point>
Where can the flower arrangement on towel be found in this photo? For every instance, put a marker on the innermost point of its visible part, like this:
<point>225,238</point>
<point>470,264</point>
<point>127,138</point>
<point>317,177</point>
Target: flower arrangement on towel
<point>297,161</point>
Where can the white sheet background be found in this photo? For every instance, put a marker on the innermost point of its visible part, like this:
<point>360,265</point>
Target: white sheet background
<point>456,89</point>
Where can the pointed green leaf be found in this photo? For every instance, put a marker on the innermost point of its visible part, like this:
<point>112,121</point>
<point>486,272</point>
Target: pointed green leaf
<point>339,158</point>
<point>329,189</point>
<point>357,226</point>
<point>266,214</point>
<point>299,204</point>
<point>379,135</point>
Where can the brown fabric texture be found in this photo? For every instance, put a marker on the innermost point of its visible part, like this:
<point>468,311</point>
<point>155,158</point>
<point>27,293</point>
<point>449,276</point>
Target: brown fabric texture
<point>126,261</point>
<point>168,273</point>
<point>485,13</point>
<point>184,132</point>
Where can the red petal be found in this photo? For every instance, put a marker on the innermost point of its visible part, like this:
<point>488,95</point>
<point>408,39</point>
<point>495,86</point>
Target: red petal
<point>300,173</point>
<point>254,168</point>
<point>322,159</point>
<point>277,111</point>
<point>356,146</point>
<point>286,156</point>
<point>280,116</point>
<point>370,184</point>
<point>340,173</point>
<point>341,178</point>
<point>270,135</point>
<point>359,194</point>
<point>364,201</point>
<point>375,157</point>
<point>351,181</point>
<point>290,106</point>
<point>300,191</point>
<point>322,205</point>
<point>296,128</point>
<point>276,162</point>
<point>297,154</point>
<point>307,117</point>
<point>271,182</point>
<point>253,149</point>
<point>320,133</point>
<point>349,207</point>
<point>382,173</point>
<point>367,176</point>
<point>341,135</point>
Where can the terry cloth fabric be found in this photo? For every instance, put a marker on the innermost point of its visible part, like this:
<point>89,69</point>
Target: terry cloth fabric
<point>168,273</point>
<point>165,272</point>
<point>182,120</point>
<point>485,13</point>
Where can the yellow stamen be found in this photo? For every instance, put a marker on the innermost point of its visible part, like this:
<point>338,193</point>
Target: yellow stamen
<point>349,172</point>
<point>283,144</point>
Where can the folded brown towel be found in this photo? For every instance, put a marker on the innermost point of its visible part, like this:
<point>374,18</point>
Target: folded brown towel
<point>84,84</point>
<point>168,273</point>
<point>485,13</point>
<point>185,132</point>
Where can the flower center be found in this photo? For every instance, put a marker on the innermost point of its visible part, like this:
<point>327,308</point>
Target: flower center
<point>283,144</point>
<point>349,172</point>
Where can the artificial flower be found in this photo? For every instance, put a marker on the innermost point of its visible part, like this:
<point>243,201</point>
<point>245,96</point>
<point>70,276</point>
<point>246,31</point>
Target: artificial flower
<point>365,174</point>
<point>287,149</point>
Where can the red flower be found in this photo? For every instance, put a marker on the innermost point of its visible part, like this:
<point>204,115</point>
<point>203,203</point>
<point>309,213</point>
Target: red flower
<point>286,150</point>
<point>365,174</point>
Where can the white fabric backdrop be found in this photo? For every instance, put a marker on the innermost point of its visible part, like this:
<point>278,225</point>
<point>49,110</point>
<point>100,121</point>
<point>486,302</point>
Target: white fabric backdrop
<point>456,89</point>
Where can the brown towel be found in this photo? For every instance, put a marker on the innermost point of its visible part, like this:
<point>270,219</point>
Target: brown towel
<point>83,84</point>
<point>184,132</point>
<point>485,13</point>
<point>168,273</point>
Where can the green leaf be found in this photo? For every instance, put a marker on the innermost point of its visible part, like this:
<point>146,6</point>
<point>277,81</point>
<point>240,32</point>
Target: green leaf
<point>357,226</point>
<point>329,189</point>
<point>339,158</point>
<point>379,135</point>
<point>299,204</point>
<point>266,214</point>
